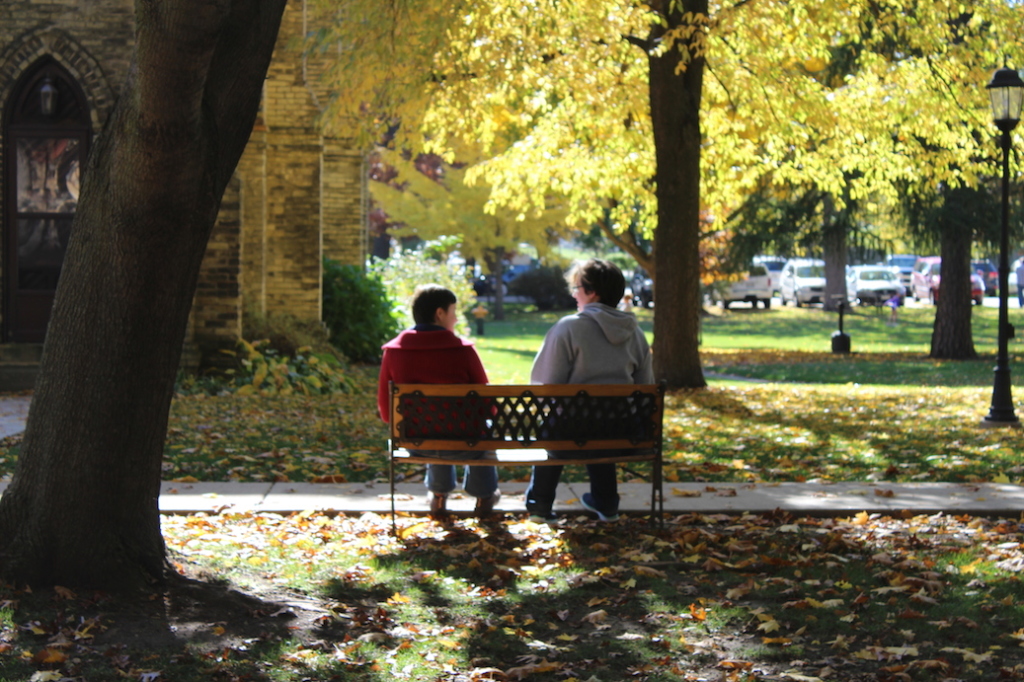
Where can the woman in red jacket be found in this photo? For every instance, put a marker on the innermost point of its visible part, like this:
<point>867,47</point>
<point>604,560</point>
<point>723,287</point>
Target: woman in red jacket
<point>431,353</point>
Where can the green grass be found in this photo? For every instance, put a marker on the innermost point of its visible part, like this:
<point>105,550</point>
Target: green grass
<point>882,354</point>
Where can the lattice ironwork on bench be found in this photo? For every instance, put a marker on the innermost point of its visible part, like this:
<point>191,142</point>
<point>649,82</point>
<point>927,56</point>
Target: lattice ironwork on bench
<point>525,417</point>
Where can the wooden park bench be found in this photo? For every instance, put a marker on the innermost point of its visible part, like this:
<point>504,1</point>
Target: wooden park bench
<point>521,423</point>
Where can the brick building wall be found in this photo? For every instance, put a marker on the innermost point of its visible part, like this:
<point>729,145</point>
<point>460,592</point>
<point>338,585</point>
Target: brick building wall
<point>296,198</point>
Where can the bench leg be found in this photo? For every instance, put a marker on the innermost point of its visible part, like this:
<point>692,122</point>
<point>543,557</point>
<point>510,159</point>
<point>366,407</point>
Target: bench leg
<point>657,497</point>
<point>391,480</point>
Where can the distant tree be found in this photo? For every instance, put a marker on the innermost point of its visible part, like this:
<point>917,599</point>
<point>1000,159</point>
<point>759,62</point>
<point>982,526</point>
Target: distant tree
<point>951,219</point>
<point>430,198</point>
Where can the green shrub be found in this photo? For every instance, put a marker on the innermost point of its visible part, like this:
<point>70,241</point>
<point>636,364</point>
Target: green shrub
<point>286,334</point>
<point>357,311</point>
<point>546,286</point>
<point>403,272</point>
<point>262,370</point>
<point>265,372</point>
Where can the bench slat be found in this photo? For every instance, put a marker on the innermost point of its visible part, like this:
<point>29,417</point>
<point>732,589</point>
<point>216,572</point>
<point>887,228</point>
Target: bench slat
<point>489,444</point>
<point>524,457</point>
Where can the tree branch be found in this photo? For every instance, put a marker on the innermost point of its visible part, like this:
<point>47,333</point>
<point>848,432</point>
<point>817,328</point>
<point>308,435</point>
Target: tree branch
<point>175,41</point>
<point>237,70</point>
<point>644,258</point>
<point>643,43</point>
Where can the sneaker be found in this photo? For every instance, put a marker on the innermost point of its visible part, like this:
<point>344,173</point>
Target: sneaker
<point>543,517</point>
<point>588,503</point>
<point>485,505</point>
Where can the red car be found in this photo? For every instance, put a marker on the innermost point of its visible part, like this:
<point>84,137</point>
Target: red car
<point>924,281</point>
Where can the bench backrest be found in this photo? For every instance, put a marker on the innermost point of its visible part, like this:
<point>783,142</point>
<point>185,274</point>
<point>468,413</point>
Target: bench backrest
<point>553,416</point>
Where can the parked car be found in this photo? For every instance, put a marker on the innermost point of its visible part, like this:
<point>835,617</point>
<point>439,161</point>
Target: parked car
<point>873,285</point>
<point>642,287</point>
<point>927,277</point>
<point>802,281</point>
<point>484,285</point>
<point>756,286</point>
<point>989,275</point>
<point>774,265</point>
<point>903,264</point>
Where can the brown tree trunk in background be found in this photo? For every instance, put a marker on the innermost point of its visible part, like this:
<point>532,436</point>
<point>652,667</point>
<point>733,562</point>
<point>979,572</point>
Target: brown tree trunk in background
<point>675,117</point>
<point>952,338</point>
<point>497,268</point>
<point>82,508</point>
<point>833,238</point>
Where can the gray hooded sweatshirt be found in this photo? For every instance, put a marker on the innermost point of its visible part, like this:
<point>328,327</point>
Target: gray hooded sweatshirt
<point>598,345</point>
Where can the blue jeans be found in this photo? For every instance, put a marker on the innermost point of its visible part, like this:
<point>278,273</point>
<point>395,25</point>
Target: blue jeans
<point>540,496</point>
<point>441,478</point>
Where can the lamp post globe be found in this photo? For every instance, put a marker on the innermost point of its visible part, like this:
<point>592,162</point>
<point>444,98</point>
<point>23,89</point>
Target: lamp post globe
<point>1006,94</point>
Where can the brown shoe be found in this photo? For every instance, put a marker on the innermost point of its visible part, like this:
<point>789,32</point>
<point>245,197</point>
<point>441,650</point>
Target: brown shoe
<point>437,503</point>
<point>485,505</point>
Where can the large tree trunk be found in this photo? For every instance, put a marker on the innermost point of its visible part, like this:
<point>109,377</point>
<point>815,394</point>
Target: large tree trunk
<point>675,116</point>
<point>82,508</point>
<point>952,338</point>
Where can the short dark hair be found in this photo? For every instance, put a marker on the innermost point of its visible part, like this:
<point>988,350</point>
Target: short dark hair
<point>600,277</point>
<point>427,299</point>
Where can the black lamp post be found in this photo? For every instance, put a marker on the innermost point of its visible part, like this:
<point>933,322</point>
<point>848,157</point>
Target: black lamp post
<point>1006,92</point>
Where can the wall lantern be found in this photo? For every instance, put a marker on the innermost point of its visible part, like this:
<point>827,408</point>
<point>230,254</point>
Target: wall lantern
<point>48,98</point>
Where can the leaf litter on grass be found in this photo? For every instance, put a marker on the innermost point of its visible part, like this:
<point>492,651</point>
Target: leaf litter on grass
<point>741,433</point>
<point>725,597</point>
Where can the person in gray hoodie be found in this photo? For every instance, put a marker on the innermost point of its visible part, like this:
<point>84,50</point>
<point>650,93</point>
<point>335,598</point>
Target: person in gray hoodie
<point>597,345</point>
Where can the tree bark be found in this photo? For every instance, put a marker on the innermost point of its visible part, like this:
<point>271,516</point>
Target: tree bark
<point>833,237</point>
<point>675,117</point>
<point>82,509</point>
<point>497,268</point>
<point>952,338</point>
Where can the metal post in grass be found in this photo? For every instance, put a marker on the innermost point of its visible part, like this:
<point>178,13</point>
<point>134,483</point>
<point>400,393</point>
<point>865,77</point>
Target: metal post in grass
<point>1006,93</point>
<point>840,339</point>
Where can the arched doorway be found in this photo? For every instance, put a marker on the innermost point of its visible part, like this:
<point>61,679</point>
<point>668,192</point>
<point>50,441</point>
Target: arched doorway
<point>46,138</point>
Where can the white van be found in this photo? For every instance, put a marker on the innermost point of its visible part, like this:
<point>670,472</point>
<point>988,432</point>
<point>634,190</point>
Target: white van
<point>803,281</point>
<point>756,286</point>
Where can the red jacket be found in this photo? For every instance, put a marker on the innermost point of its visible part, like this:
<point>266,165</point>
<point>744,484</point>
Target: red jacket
<point>427,357</point>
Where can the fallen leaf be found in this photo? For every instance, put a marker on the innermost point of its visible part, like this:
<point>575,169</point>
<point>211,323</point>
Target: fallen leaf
<point>800,678</point>
<point>48,656</point>
<point>63,592</point>
<point>45,676</point>
<point>686,493</point>
<point>969,655</point>
<point>649,572</point>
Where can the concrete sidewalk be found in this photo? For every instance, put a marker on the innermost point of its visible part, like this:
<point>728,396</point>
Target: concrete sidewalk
<point>840,499</point>
<point>814,499</point>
